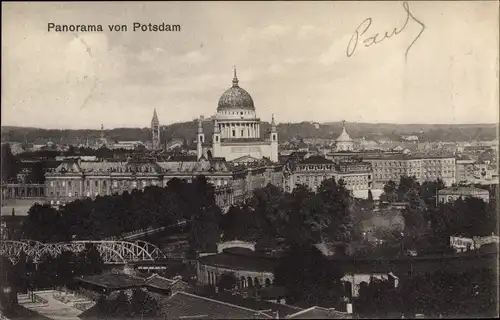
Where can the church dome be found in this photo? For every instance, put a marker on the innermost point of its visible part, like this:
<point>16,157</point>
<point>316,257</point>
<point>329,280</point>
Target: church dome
<point>235,98</point>
<point>343,137</point>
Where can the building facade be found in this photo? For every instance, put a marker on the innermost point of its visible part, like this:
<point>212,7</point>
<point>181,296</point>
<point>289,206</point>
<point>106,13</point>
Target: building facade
<point>237,129</point>
<point>424,168</point>
<point>313,170</point>
<point>454,193</point>
<point>88,179</point>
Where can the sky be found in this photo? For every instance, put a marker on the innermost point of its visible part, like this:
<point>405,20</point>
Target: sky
<point>290,56</point>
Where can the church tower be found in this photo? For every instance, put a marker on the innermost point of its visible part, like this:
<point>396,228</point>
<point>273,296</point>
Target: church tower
<point>216,146</point>
<point>274,141</point>
<point>200,139</point>
<point>155,130</point>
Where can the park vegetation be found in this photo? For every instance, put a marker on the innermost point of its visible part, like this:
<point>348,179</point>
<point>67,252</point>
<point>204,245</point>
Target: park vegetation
<point>301,218</point>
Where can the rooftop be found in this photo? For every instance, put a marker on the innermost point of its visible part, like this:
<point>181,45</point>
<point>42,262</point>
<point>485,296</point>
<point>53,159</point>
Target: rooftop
<point>113,280</point>
<point>319,313</point>
<point>187,305</point>
<point>401,156</point>
<point>462,190</point>
<point>240,262</point>
<point>316,160</point>
<point>255,304</point>
<point>157,281</point>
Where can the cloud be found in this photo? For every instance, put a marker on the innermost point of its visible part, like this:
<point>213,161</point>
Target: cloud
<point>309,31</point>
<point>296,60</point>
<point>276,68</point>
<point>335,52</point>
<point>194,57</point>
<point>268,33</point>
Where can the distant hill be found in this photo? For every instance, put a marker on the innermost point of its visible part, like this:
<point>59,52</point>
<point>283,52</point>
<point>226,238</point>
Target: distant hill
<point>187,130</point>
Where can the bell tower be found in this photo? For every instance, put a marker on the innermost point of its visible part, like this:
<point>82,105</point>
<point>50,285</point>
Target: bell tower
<point>274,141</point>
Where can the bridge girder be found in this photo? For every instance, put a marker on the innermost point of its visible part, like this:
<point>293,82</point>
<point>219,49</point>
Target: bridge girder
<point>112,252</point>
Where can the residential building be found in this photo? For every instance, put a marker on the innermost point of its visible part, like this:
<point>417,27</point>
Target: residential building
<point>423,167</point>
<point>311,171</point>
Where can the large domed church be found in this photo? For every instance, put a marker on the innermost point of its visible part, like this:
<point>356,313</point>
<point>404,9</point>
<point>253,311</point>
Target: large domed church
<point>237,133</point>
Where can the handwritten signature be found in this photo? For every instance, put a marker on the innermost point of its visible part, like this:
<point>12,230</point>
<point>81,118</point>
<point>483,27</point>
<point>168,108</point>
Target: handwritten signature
<point>377,38</point>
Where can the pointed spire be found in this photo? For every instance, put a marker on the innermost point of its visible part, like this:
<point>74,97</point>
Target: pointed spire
<point>235,78</point>
<point>273,124</point>
<point>155,117</point>
<point>272,121</point>
<point>216,127</point>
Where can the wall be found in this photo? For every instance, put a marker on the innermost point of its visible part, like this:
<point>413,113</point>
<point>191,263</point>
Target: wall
<point>210,275</point>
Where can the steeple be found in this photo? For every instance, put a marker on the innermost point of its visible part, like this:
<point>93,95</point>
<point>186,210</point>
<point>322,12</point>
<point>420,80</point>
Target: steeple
<point>155,118</point>
<point>216,127</point>
<point>102,131</point>
<point>273,124</point>
<point>235,78</point>
<point>155,131</point>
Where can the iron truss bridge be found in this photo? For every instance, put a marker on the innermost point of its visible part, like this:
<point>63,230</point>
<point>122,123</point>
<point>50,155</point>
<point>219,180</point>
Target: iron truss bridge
<point>112,251</point>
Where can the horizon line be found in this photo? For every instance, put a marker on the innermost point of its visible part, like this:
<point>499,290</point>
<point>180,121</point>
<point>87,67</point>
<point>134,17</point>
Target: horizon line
<point>280,123</point>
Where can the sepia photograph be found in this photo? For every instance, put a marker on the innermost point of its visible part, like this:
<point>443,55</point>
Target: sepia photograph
<point>249,160</point>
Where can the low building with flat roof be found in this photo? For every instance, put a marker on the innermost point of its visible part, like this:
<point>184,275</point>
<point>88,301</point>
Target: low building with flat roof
<point>454,193</point>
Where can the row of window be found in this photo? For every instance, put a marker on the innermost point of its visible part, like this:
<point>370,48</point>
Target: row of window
<point>414,163</point>
<point>119,183</point>
<point>317,167</point>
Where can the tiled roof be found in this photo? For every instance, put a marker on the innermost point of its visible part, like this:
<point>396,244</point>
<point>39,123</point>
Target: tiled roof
<point>157,281</point>
<point>254,304</point>
<point>186,305</point>
<point>113,280</point>
<point>316,160</point>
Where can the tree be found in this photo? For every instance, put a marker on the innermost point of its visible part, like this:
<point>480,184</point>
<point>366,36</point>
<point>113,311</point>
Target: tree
<point>334,202</point>
<point>320,285</point>
<point>299,210</point>
<point>143,305</point>
<point>241,223</point>
<point>389,194</point>
<point>205,231</point>
<point>90,261</point>
<point>44,224</point>
<point>9,163</point>
<point>428,191</point>
<point>405,185</point>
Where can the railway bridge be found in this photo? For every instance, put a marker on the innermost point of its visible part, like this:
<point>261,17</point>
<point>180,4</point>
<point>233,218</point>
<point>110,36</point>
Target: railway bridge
<point>111,251</point>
